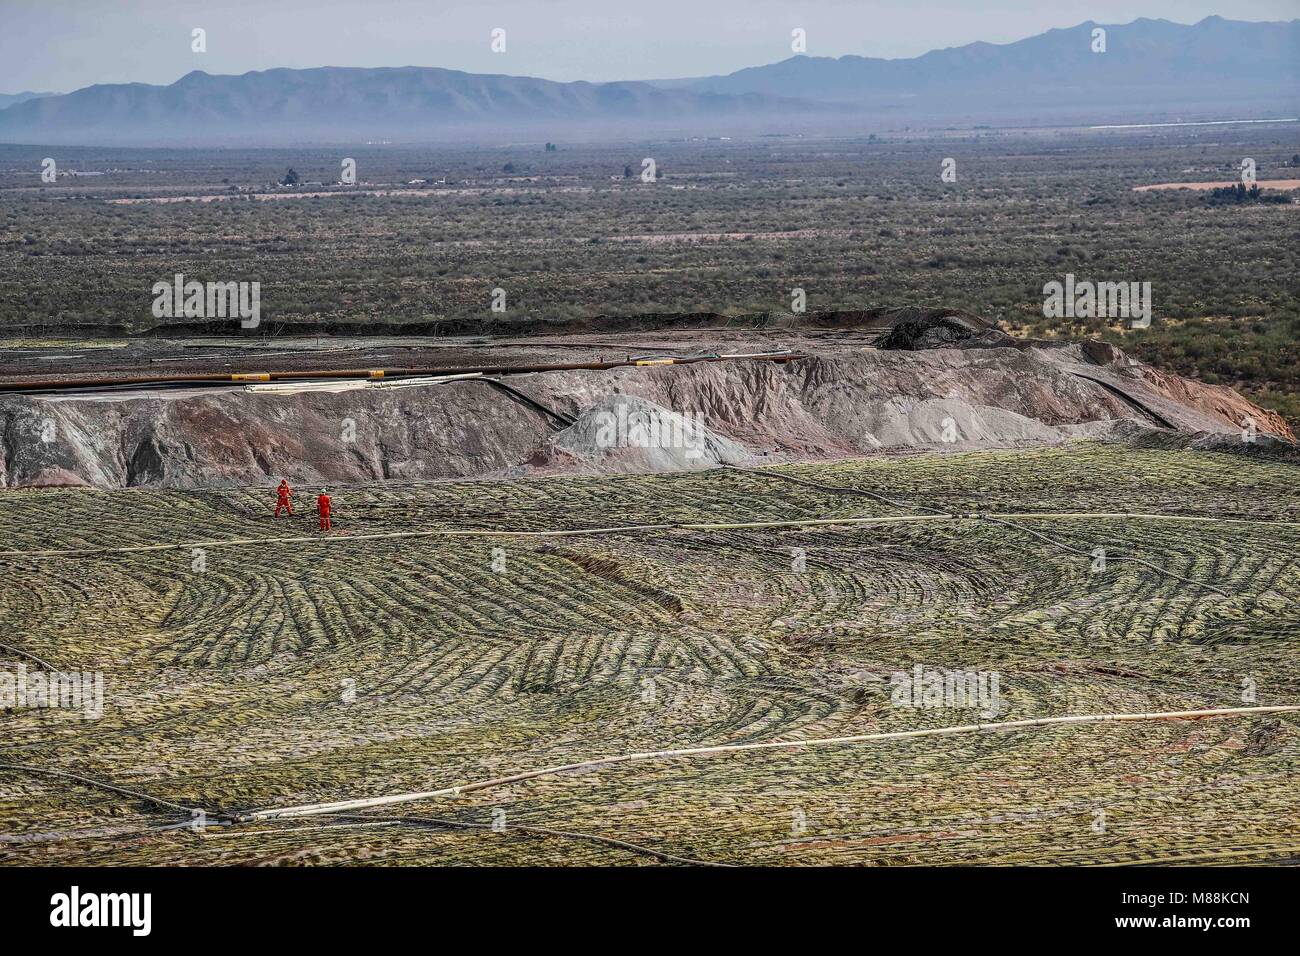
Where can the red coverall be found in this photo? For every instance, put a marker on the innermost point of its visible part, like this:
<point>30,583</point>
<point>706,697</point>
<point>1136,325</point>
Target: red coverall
<point>282,498</point>
<point>323,509</point>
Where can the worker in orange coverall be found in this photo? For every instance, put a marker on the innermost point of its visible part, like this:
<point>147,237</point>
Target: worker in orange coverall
<point>282,494</point>
<point>323,509</point>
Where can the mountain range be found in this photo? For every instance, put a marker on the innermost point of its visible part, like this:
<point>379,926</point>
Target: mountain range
<point>1149,58</point>
<point>9,99</point>
<point>335,104</point>
<point>1149,69</point>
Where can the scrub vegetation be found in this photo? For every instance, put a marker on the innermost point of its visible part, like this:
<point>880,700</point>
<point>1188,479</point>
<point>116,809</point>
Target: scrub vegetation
<point>728,227</point>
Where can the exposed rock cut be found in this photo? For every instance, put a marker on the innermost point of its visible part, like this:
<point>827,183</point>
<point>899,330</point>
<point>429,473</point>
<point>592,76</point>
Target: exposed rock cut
<point>834,402</point>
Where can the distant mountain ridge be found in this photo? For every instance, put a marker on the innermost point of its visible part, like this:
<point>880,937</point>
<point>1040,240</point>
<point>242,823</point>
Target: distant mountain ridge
<point>1149,68</point>
<point>1153,57</point>
<point>9,99</point>
<point>351,103</point>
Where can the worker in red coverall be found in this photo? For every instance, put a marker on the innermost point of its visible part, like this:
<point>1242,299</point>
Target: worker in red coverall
<point>323,509</point>
<point>282,494</point>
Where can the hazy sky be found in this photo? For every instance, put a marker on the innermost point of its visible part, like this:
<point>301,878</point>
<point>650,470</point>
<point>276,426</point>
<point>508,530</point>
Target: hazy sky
<point>62,45</point>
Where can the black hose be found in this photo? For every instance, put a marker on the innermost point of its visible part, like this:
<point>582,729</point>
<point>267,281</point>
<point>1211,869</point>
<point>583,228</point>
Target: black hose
<point>564,420</point>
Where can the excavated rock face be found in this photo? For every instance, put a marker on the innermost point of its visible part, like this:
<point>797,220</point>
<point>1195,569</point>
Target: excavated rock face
<point>826,405</point>
<point>1215,401</point>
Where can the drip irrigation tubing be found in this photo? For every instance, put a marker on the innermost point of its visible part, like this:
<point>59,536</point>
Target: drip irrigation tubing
<point>339,539</point>
<point>438,823</point>
<point>110,787</point>
<point>995,519</point>
<point>340,806</point>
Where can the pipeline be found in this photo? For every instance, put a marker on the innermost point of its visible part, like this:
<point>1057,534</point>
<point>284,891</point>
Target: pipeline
<point>438,823</point>
<point>341,806</point>
<point>191,379</point>
<point>564,420</point>
<point>351,385</point>
<point>110,787</point>
<point>1129,400</point>
<point>334,386</point>
<point>31,657</point>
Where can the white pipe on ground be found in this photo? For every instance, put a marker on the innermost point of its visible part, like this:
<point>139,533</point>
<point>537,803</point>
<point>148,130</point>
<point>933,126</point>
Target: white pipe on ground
<point>314,809</point>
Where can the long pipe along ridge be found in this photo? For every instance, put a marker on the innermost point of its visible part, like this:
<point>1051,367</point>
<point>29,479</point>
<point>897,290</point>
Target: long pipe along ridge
<point>75,383</point>
<point>220,818</point>
<point>317,809</point>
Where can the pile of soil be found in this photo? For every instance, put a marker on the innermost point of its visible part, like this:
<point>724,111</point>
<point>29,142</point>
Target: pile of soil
<point>629,435</point>
<point>943,330</point>
<point>839,399</point>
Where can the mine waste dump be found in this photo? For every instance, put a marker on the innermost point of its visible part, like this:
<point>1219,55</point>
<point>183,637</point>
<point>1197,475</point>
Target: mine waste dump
<point>661,396</point>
